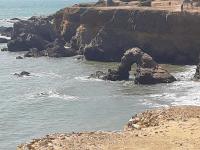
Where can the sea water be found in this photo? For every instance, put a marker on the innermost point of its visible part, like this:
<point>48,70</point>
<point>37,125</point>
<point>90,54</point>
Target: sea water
<point>58,97</point>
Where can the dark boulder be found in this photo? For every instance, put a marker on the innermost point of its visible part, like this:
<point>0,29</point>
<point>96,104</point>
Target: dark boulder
<point>53,49</point>
<point>57,49</point>
<point>26,41</point>
<point>39,37</point>
<point>4,49</point>
<point>19,57</point>
<point>37,26</point>
<point>17,45</point>
<point>31,34</point>
<point>147,72</point>
<point>34,52</point>
<point>22,74</point>
<point>153,76</point>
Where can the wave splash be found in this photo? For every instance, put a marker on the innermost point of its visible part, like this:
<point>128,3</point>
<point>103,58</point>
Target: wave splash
<point>52,94</point>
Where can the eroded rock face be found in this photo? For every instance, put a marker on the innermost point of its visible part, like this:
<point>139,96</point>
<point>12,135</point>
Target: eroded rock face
<point>158,32</point>
<point>39,37</point>
<point>147,72</point>
<point>84,35</point>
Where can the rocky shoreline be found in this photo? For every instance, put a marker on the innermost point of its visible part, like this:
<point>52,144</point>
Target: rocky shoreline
<point>140,35</point>
<point>164,128</point>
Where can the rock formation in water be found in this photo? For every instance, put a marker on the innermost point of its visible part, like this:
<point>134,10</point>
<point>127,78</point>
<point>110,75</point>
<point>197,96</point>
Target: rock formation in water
<point>147,72</point>
<point>39,38</point>
<point>4,49</point>
<point>19,57</point>
<point>22,74</point>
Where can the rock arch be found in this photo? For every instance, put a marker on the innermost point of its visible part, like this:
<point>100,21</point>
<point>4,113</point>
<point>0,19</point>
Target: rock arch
<point>147,72</point>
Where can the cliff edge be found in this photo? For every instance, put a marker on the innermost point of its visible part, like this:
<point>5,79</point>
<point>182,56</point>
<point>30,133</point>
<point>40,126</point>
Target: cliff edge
<point>104,33</point>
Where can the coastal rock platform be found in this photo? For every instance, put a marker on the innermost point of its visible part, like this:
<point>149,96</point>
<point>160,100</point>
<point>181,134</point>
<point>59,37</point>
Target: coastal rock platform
<point>165,129</point>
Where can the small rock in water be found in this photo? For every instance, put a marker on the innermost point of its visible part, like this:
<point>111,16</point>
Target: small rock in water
<point>19,57</point>
<point>23,73</point>
<point>4,49</point>
<point>79,57</point>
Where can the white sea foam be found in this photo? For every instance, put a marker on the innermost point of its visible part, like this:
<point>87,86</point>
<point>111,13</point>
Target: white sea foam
<point>187,74</point>
<point>54,94</point>
<point>5,37</point>
<point>86,78</point>
<point>152,103</point>
<point>51,94</point>
<point>47,74</point>
<point>190,97</point>
<point>5,23</point>
<point>163,95</point>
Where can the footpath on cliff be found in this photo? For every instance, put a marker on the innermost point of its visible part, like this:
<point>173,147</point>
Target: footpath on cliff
<point>165,5</point>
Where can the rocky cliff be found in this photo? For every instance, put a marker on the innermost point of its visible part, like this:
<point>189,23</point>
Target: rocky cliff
<point>104,34</point>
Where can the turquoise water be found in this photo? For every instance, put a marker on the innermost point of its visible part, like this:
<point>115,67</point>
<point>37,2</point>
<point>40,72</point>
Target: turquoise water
<point>26,8</point>
<point>58,96</point>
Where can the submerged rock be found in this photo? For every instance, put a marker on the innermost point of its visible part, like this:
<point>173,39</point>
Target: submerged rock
<point>147,72</point>
<point>19,57</point>
<point>22,74</point>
